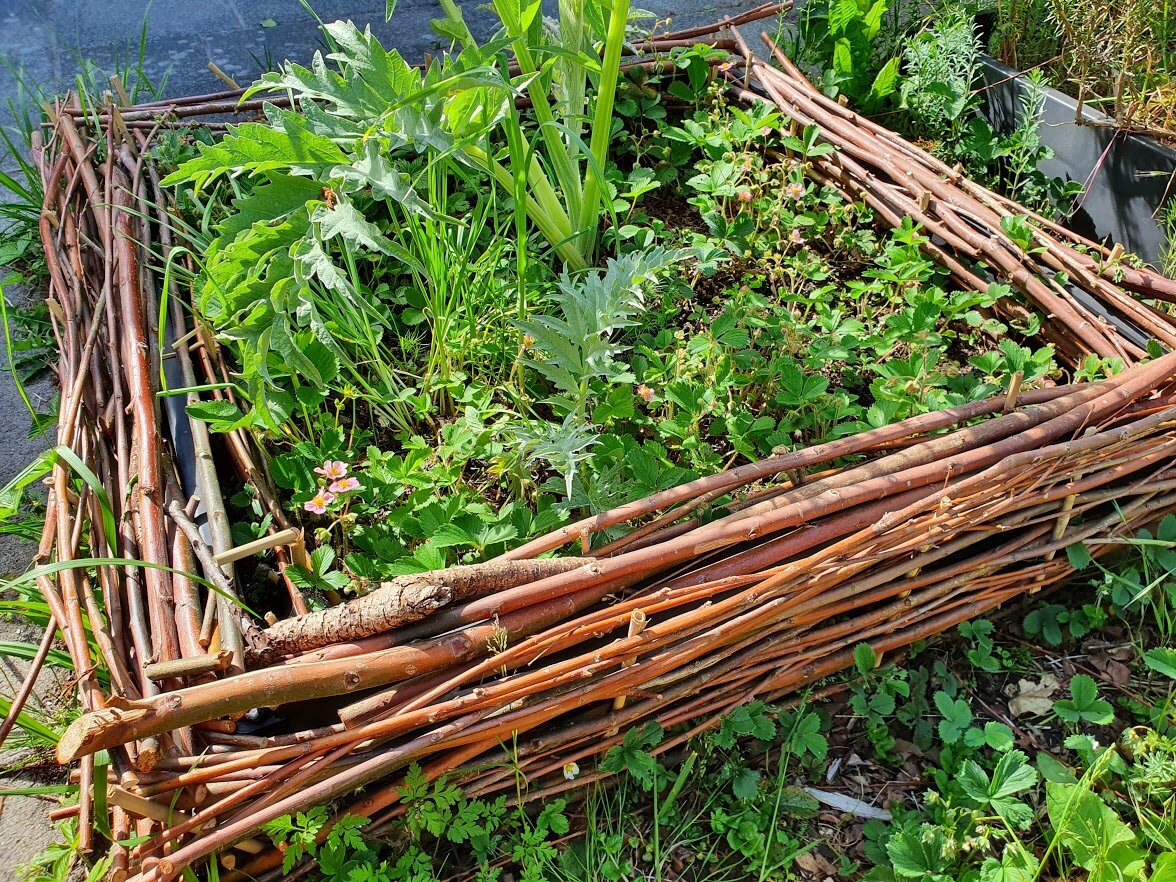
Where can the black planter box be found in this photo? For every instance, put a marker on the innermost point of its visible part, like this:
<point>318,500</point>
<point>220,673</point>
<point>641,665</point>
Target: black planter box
<point>1127,178</point>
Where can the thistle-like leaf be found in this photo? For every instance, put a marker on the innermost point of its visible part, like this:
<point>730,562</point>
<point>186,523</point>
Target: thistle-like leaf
<point>255,148</point>
<point>578,345</point>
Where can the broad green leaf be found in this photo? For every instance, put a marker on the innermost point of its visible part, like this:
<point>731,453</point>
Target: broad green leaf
<point>751,720</point>
<point>1078,556</point>
<point>842,13</point>
<point>1055,771</point>
<point>957,717</point>
<point>255,148</point>
<point>1015,865</point>
<point>920,853</point>
<point>1093,834</point>
<point>271,200</point>
<point>632,755</point>
<point>872,20</point>
<point>450,535</point>
<point>843,57</point>
<point>1011,775</point>
<point>746,784</point>
<point>1084,705</point>
<point>996,735</point>
<point>1164,868</point>
<point>886,81</point>
<point>1162,660</point>
<point>344,220</point>
<point>864,658</point>
<point>373,171</point>
<point>311,260</point>
<point>221,415</point>
<point>807,737</point>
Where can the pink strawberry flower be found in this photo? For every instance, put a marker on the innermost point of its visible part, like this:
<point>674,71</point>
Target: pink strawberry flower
<point>319,502</point>
<point>332,470</point>
<point>345,485</point>
<point>645,393</point>
<point>795,237</point>
<point>744,195</point>
<point>795,190</point>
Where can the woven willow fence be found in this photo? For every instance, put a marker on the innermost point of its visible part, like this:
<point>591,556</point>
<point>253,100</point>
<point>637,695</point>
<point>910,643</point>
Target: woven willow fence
<point>749,583</point>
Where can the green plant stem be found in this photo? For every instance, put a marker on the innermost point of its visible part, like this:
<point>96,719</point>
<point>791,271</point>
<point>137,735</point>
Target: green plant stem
<point>549,215</point>
<point>558,153</point>
<point>606,94</point>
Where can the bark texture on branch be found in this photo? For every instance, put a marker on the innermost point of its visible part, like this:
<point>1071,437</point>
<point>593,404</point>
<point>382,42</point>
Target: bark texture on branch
<point>403,600</point>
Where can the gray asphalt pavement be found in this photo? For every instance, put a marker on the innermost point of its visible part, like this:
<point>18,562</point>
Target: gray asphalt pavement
<point>243,37</point>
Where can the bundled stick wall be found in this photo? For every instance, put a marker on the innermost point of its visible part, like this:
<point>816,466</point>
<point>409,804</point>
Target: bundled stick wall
<point>750,583</point>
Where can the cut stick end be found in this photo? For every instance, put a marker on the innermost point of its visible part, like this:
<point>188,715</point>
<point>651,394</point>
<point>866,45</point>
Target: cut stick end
<point>71,745</point>
<point>96,730</point>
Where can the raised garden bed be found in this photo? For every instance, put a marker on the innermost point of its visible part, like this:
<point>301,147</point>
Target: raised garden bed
<point>711,587</point>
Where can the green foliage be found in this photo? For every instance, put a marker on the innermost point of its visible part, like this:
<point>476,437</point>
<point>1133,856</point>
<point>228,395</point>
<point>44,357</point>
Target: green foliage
<point>62,860</point>
<point>875,696</point>
<point>1085,808</point>
<point>380,316</point>
<point>298,834</point>
<point>1141,585</point>
<point>285,144</point>
<point>579,346</point>
<point>864,659</point>
<point>1162,660</point>
<point>804,737</point>
<point>1010,776</point>
<point>939,68</point>
<point>437,811</point>
<point>985,824</point>
<point>377,261</point>
<point>1084,705</point>
<point>957,717</point>
<point>846,40</point>
<point>464,99</point>
<point>632,756</point>
<point>751,720</point>
<point>734,821</point>
<point>938,94</point>
<point>1092,834</point>
<point>981,654</point>
<point>1053,622</point>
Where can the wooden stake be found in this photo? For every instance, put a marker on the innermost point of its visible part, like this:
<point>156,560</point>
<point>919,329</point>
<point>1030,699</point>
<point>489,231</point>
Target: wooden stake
<point>265,543</point>
<point>1014,390</point>
<point>637,623</point>
<point>188,667</point>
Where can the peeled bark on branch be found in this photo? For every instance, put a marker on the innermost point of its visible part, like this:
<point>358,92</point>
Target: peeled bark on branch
<point>403,600</point>
<point>130,720</point>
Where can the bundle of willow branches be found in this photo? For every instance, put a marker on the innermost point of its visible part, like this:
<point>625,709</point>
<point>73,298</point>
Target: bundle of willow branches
<point>749,583</point>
